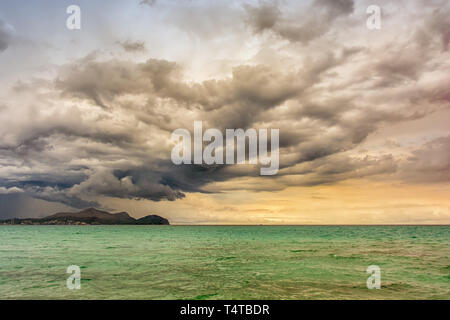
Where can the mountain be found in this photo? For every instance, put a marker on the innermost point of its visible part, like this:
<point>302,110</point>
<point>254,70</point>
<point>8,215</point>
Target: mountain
<point>91,216</point>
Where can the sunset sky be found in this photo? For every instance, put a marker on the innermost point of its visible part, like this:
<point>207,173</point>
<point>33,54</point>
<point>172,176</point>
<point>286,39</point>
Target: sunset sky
<point>86,115</point>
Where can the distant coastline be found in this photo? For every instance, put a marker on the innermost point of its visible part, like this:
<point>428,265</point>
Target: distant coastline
<point>90,216</point>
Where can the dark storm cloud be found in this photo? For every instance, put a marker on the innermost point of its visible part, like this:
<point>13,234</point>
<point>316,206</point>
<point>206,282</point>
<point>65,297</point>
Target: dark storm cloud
<point>20,205</point>
<point>234,101</point>
<point>31,134</point>
<point>134,184</point>
<point>60,196</point>
<point>116,161</point>
<point>101,82</point>
<point>101,127</point>
<point>311,24</point>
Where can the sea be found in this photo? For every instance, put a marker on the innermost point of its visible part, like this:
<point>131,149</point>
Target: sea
<point>225,262</point>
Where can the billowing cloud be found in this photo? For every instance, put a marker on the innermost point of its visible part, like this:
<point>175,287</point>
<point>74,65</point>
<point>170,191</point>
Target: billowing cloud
<point>99,127</point>
<point>11,190</point>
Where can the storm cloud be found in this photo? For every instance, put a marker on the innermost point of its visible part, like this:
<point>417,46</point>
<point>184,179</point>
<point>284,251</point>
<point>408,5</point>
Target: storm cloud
<point>99,126</point>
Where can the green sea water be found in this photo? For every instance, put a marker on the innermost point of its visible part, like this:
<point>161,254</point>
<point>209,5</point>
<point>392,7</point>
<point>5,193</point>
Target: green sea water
<point>225,262</point>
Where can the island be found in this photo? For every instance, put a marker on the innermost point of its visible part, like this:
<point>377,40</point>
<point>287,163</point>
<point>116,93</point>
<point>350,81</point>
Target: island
<point>90,216</point>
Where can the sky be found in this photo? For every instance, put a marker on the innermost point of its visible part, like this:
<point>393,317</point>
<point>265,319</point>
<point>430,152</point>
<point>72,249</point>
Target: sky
<point>86,115</point>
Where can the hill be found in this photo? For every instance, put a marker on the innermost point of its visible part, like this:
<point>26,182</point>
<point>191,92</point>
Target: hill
<point>91,216</point>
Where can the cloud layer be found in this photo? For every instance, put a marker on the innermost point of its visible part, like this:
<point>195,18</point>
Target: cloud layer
<point>99,126</point>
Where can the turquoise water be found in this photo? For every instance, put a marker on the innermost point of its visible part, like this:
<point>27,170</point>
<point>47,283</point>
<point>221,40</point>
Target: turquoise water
<point>224,262</point>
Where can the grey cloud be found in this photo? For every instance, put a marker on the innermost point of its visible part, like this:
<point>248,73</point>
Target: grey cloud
<point>399,62</point>
<point>250,90</point>
<point>103,81</point>
<point>32,134</point>
<point>20,205</point>
<point>101,129</point>
<point>263,17</point>
<point>60,196</point>
<point>430,163</point>
<point>314,23</point>
<point>132,186</point>
<point>147,2</point>
<point>331,126</point>
<point>336,8</point>
<point>124,167</point>
<point>439,24</point>
<point>339,167</point>
<point>132,46</point>
<point>6,33</point>
<point>328,170</point>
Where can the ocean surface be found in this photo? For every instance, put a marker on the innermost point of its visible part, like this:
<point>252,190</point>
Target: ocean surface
<point>225,262</point>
